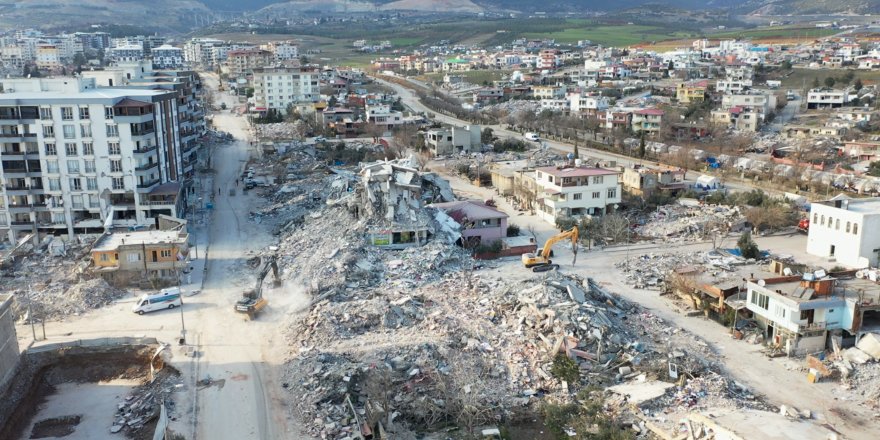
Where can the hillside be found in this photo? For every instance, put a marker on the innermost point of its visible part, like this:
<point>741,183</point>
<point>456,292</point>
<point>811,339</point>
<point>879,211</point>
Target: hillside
<point>169,15</point>
<point>805,7</point>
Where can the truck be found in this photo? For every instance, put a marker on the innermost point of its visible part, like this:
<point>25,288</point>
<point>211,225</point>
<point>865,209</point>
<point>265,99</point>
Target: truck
<point>540,260</point>
<point>252,301</point>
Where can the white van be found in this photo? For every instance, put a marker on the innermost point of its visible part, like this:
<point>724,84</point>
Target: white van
<point>531,137</point>
<point>166,299</point>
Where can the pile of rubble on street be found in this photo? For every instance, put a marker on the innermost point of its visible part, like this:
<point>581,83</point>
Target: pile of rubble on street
<point>51,278</point>
<point>281,130</point>
<point>412,338</point>
<point>650,270</point>
<point>679,223</point>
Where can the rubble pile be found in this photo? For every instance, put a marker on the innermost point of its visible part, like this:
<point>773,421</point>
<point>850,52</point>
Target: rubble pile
<point>424,339</point>
<point>280,130</point>
<point>649,271</point>
<point>513,106</point>
<point>136,411</point>
<point>686,223</point>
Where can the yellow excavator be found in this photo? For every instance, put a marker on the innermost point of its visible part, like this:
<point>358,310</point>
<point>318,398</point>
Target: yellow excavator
<point>540,260</point>
<point>252,301</point>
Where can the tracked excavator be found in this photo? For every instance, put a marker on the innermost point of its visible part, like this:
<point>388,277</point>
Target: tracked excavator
<point>252,301</point>
<point>540,260</point>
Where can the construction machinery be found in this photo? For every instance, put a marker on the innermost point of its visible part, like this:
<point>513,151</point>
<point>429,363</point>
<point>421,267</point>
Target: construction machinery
<point>804,225</point>
<point>540,260</point>
<point>252,301</point>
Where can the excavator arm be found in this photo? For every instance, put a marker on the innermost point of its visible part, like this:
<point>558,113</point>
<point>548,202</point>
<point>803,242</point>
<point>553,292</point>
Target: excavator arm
<point>569,234</point>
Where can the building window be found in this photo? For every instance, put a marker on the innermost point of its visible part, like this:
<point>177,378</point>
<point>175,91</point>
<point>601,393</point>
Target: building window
<point>69,131</point>
<point>612,193</point>
<point>848,227</point>
<point>52,166</point>
<point>165,253</point>
<point>855,228</point>
<point>85,130</point>
<point>54,184</point>
<point>67,113</point>
<point>92,183</point>
<point>760,300</point>
<point>75,184</point>
<point>73,166</point>
<point>70,149</point>
<point>94,201</point>
<point>815,218</point>
<point>105,257</point>
<point>112,130</point>
<point>89,166</point>
<point>84,113</point>
<point>577,196</point>
<point>45,113</point>
<point>108,112</point>
<point>50,149</point>
<point>116,166</point>
<point>596,194</point>
<point>598,179</point>
<point>88,149</point>
<point>48,131</point>
<point>118,183</point>
<point>823,221</point>
<point>133,258</point>
<point>77,201</point>
<point>113,148</point>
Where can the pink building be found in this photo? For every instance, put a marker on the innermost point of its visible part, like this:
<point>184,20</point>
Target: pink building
<point>480,223</point>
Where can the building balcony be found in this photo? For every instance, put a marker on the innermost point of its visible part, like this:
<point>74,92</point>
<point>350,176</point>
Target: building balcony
<point>143,133</point>
<point>147,167</point>
<point>148,184</point>
<point>815,326</point>
<point>135,119</point>
<point>21,223</point>
<point>145,149</point>
<point>18,137</point>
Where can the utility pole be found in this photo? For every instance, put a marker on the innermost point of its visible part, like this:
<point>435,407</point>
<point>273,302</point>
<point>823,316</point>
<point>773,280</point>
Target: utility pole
<point>31,314</point>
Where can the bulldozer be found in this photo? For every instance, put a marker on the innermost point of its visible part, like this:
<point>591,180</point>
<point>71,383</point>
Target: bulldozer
<point>540,260</point>
<point>252,301</point>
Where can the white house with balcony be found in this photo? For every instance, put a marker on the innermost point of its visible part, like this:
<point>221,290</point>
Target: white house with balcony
<point>381,115</point>
<point>576,191</point>
<point>846,230</point>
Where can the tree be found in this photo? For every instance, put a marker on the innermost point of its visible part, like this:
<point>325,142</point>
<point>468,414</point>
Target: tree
<point>332,102</point>
<point>642,149</point>
<point>747,246</point>
<point>830,81</point>
<point>816,83</point>
<point>858,84</point>
<point>577,153</point>
<point>79,59</point>
<point>487,135</point>
<point>786,65</point>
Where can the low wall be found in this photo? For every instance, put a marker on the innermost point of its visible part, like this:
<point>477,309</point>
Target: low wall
<point>9,351</point>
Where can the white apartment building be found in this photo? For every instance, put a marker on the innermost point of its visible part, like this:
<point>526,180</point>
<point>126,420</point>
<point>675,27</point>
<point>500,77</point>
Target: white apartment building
<point>76,158</point>
<point>167,57</point>
<point>277,88</point>
<point>282,50</point>
<point>548,92</point>
<point>576,191</point>
<point>846,230</point>
<point>382,115</point>
<point>826,98</point>
<point>587,105</point>
<point>127,53</point>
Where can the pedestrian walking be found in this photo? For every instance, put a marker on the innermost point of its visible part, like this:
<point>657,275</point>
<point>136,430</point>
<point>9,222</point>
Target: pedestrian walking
<point>219,192</point>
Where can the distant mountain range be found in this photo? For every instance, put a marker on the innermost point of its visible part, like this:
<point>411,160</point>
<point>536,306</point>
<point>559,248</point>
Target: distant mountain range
<point>187,14</point>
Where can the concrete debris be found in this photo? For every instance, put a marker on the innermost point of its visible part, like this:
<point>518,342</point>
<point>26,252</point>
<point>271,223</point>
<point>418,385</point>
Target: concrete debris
<point>680,223</point>
<point>138,409</point>
<point>651,271</point>
<point>870,344</point>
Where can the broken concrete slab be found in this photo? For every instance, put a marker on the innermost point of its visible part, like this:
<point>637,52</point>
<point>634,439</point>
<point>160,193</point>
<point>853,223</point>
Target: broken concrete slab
<point>638,393</point>
<point>870,344</point>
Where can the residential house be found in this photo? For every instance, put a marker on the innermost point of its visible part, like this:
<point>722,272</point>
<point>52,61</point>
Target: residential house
<point>845,231</point>
<point>643,181</point>
<point>692,91</point>
<point>127,258</point>
<point>381,115</point>
<point>647,120</point>
<point>548,92</point>
<point>571,191</point>
<point>587,105</point>
<point>480,224</point>
<point>826,97</point>
<point>450,140</point>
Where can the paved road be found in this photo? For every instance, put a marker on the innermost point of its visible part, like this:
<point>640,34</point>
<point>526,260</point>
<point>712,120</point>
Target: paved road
<point>410,99</point>
<point>787,114</point>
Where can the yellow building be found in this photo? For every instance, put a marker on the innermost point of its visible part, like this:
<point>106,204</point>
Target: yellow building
<point>124,258</point>
<point>693,91</point>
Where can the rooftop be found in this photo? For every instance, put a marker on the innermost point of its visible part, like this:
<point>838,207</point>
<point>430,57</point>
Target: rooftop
<point>471,209</point>
<point>576,171</point>
<point>112,241</point>
<point>96,94</point>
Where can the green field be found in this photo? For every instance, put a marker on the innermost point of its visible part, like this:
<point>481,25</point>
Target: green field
<point>801,78</point>
<point>405,41</point>
<point>623,35</point>
<point>777,32</point>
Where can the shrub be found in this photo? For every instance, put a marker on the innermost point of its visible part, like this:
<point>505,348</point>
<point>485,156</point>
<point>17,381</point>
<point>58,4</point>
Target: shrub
<point>512,230</point>
<point>747,246</point>
<point>565,368</point>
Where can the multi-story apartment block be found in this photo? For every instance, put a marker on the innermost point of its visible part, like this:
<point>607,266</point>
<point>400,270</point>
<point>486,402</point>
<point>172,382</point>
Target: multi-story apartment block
<point>587,105</point>
<point>278,88</point>
<point>282,50</point>
<point>572,191</point>
<point>77,158</point>
<point>381,115</point>
<point>548,92</point>
<point>693,91</point>
<point>127,53</point>
<point>648,120</point>
<point>167,57</point>
<point>48,56</point>
<point>241,62</point>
